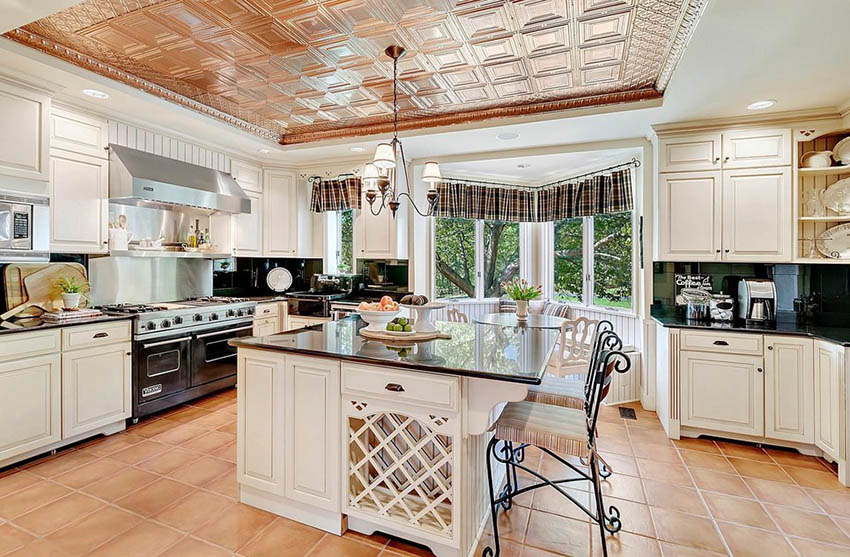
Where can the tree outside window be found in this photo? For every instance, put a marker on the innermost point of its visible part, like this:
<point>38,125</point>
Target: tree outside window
<point>501,256</point>
<point>345,254</point>
<point>568,262</point>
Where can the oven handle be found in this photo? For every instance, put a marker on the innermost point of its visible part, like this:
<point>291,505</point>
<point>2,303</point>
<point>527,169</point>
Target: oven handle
<point>221,358</point>
<point>164,342</point>
<point>224,332</point>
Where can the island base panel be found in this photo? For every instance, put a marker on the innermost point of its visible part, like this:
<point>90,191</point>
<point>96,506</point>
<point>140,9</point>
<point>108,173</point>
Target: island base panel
<point>329,521</point>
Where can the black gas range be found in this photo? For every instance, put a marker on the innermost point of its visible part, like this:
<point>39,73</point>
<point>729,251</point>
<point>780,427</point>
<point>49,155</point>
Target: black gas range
<point>181,350</point>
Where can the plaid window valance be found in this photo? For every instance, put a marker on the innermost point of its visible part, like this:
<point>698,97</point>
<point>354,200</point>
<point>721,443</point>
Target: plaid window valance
<point>335,195</point>
<point>597,195</point>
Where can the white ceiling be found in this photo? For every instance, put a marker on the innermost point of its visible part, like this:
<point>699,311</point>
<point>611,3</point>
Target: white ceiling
<point>14,13</point>
<point>792,51</point>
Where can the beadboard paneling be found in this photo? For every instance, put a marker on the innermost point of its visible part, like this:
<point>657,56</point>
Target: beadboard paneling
<point>163,145</point>
<point>627,326</point>
<point>472,309</point>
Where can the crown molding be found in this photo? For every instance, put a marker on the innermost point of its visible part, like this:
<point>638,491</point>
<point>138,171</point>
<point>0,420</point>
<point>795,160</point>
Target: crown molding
<point>789,118</point>
<point>41,86</point>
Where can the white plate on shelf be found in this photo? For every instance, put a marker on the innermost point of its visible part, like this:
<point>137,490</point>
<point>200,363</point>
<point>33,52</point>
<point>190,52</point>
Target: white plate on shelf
<point>835,242</point>
<point>837,197</point>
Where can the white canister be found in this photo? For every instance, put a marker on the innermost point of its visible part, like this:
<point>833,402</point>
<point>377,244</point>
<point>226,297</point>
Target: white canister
<point>119,239</point>
<point>722,307</point>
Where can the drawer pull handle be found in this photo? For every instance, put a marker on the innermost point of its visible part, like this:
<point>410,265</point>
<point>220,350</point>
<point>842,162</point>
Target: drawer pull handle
<point>394,387</point>
<point>101,335</point>
<point>721,343</point>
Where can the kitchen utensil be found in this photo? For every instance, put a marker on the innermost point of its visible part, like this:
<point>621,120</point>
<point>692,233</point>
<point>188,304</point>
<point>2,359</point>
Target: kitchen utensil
<point>122,222</point>
<point>721,307</point>
<point>835,242</point>
<point>837,196</point>
<point>16,294</point>
<point>119,239</point>
<point>697,303</point>
<point>279,279</point>
<point>816,159</point>
<point>841,151</point>
<point>41,289</point>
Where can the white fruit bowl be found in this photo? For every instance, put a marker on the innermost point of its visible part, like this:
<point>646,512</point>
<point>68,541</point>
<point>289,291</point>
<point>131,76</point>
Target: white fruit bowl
<point>377,320</point>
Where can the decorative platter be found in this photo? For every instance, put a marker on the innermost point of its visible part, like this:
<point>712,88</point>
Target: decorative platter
<point>395,336</point>
<point>835,242</point>
<point>279,279</point>
<point>837,197</point>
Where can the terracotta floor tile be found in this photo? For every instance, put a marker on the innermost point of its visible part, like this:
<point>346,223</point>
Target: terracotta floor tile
<point>32,497</point>
<point>215,420</point>
<point>635,517</point>
<point>61,463</point>
<point>152,428</point>
<point>674,497</point>
<point>140,541</point>
<point>235,526</point>
<point>612,431</point>
<point>202,471</point>
<point>815,479</point>
<point>643,436</point>
<point>665,453</point>
<point>558,534</point>
<point>121,484</point>
<point>57,514</point>
<point>105,446</point>
<point>16,481</point>
<point>804,524</point>
<point>548,500</point>
<point>621,464</point>
<point>228,428</point>
<point>139,452</point>
<point>791,457</point>
<point>624,487</point>
<point>781,494</point>
<point>406,549</point>
<point>169,461</point>
<point>666,472</point>
<point>811,548</point>
<point>38,548</point>
<point>154,497</point>
<point>750,542</point>
<point>194,511</point>
<point>697,444</point>
<point>738,510</point>
<point>85,535</point>
<point>673,550</point>
<point>624,544</point>
<point>615,446</point>
<point>760,470</point>
<point>833,502</point>
<point>180,435</point>
<point>722,483</point>
<point>210,442</point>
<point>687,530</point>
<point>98,470</point>
<point>188,414</point>
<point>335,546</point>
<point>190,547</point>
<point>743,450</point>
<point>514,523</point>
<point>227,452</point>
<point>506,547</point>
<point>700,459</point>
<point>12,538</point>
<point>212,403</point>
<point>376,539</point>
<point>225,485</point>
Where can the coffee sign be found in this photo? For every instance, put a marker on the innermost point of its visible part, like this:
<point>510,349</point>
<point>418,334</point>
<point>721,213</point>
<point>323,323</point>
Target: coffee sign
<point>699,282</point>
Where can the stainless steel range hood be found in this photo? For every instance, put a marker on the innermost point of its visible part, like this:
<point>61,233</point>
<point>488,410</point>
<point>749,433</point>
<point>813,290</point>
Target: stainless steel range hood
<point>145,179</point>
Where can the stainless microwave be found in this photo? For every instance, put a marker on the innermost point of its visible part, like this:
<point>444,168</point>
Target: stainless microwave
<point>24,228</point>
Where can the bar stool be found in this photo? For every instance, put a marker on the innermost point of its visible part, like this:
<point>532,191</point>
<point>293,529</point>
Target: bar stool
<point>557,429</point>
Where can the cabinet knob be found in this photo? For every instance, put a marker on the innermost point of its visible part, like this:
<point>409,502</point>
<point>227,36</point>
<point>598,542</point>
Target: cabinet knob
<point>718,250</point>
<point>759,369</point>
<point>716,160</point>
<point>726,251</point>
<point>129,353</point>
<point>725,159</point>
<point>770,347</point>
<point>394,387</point>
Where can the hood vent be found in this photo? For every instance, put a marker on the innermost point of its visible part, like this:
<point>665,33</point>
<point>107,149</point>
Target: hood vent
<point>145,179</point>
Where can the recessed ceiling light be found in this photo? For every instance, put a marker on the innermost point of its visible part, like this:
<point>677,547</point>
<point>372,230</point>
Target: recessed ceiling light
<point>358,149</point>
<point>94,93</point>
<point>263,151</point>
<point>761,105</point>
<point>523,165</point>
<point>507,136</point>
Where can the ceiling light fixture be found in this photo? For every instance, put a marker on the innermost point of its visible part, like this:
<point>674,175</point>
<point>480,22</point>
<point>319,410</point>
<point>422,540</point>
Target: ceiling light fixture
<point>381,176</point>
<point>507,136</point>
<point>358,149</point>
<point>94,93</point>
<point>761,105</point>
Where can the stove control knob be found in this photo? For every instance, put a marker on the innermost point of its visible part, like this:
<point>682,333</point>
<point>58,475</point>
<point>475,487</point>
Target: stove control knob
<point>150,326</point>
<point>213,317</point>
<point>230,313</point>
<point>198,317</point>
<point>249,311</point>
<point>239,313</point>
<point>177,320</point>
<point>165,324</point>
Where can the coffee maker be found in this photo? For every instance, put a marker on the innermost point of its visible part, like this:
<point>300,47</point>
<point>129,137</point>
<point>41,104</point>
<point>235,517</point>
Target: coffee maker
<point>757,299</point>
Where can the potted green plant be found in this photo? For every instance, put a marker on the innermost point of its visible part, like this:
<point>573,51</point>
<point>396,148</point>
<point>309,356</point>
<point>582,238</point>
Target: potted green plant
<point>522,292</point>
<point>72,289</point>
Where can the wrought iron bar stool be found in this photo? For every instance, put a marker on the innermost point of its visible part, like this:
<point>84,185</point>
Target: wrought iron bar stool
<point>557,429</point>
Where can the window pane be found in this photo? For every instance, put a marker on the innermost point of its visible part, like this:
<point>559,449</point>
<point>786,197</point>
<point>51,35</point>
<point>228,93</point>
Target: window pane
<point>454,254</point>
<point>612,260</point>
<point>568,260</point>
<point>346,242</point>
<point>501,256</point>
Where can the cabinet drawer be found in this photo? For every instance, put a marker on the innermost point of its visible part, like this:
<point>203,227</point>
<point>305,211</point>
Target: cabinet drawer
<point>98,334</point>
<point>730,343</point>
<point>266,310</point>
<point>23,345</point>
<point>420,389</point>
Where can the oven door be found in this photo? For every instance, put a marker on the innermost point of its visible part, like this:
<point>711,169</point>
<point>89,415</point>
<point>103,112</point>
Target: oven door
<point>308,307</point>
<point>212,357</point>
<point>162,367</point>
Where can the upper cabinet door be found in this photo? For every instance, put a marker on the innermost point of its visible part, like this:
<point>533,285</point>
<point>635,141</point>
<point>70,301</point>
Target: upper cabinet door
<point>788,389</point>
<point>78,133</point>
<point>756,148</point>
<point>689,216</point>
<point>382,236</point>
<point>24,140</point>
<point>249,228</point>
<point>280,233</point>
<point>79,194</point>
<point>693,152</point>
<point>249,176</point>
<point>757,215</point>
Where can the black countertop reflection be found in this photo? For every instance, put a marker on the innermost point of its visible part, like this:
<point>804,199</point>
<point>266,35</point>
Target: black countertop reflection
<point>486,351</point>
<point>669,317</point>
<point>37,324</point>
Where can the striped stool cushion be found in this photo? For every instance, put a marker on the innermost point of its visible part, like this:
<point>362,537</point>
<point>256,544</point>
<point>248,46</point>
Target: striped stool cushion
<point>563,430</point>
<point>568,393</point>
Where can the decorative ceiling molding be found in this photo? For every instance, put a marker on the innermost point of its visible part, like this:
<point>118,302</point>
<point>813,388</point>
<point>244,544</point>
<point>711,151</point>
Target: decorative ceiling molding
<point>305,70</point>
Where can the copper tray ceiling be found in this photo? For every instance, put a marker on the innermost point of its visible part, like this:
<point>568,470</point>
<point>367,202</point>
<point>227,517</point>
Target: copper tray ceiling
<point>304,70</point>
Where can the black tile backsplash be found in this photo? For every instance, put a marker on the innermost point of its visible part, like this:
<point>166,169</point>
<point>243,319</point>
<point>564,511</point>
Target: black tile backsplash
<point>246,276</point>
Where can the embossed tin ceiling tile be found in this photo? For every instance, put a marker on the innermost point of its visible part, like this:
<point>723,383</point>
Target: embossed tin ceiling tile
<point>603,74</point>
<point>357,15</point>
<point>308,24</point>
<point>232,47</point>
<point>425,84</point>
<point>448,60</point>
<point>554,82</point>
<point>603,53</point>
<point>508,71</point>
<point>272,36</point>
<point>438,99</point>
<point>605,27</point>
<point>371,73</point>
<point>555,62</point>
<point>371,109</point>
<point>485,22</point>
<point>233,13</point>
<point>354,95</point>
<point>534,13</point>
<point>115,39</point>
<point>513,88</point>
<point>147,29</point>
<point>187,18</point>
<point>539,42</point>
<point>496,50</point>
<point>434,34</point>
<point>473,95</point>
<point>587,7</point>
<point>464,78</point>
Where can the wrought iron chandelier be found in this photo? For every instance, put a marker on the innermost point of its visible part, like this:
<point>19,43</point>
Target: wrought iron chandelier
<point>381,176</point>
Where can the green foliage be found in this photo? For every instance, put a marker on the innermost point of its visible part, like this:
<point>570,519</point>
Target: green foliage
<point>612,260</point>
<point>346,244</point>
<point>520,290</point>
<point>568,260</point>
<point>501,256</point>
<point>70,285</point>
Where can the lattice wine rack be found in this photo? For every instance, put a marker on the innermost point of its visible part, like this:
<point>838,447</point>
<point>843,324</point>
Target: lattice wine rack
<point>401,467</point>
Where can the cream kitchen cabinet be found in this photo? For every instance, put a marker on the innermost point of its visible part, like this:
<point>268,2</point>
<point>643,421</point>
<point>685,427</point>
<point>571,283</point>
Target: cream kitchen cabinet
<point>753,148</point>
<point>280,206</point>
<point>79,197</point>
<point>299,322</point>
<point>757,218</point>
<point>829,399</point>
<point>266,327</point>
<point>248,176</point>
<point>789,388</point>
<point>690,216</point>
<point>78,133</point>
<point>722,392</point>
<point>690,153</point>
<point>24,139</point>
<point>383,236</point>
<point>248,229</point>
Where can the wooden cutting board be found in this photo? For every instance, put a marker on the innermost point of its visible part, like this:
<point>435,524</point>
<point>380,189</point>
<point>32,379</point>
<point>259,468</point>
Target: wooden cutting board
<point>43,290</point>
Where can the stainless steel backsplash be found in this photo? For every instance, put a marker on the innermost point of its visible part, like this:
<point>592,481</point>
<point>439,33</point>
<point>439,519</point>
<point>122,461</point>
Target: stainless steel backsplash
<point>153,223</point>
<point>126,280</point>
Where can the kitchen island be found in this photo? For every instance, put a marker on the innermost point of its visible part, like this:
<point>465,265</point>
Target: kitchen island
<point>340,432</point>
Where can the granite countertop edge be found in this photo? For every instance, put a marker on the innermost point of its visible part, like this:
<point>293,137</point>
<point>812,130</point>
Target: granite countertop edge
<point>6,329</point>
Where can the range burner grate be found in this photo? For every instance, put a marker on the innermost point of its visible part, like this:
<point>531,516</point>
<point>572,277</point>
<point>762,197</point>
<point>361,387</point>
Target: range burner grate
<point>130,308</point>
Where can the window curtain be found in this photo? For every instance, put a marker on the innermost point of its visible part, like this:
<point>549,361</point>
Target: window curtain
<point>336,195</point>
<point>597,195</point>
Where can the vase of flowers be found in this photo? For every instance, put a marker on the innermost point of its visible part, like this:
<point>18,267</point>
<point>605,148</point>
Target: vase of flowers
<point>521,292</point>
<point>72,290</point>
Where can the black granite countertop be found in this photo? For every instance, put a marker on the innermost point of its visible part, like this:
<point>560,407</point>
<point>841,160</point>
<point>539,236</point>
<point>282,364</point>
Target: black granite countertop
<point>486,351</point>
<point>669,317</point>
<point>36,324</point>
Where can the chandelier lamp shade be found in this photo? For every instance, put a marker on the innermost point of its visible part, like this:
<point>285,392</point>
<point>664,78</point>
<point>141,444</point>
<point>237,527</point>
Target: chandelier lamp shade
<point>382,177</point>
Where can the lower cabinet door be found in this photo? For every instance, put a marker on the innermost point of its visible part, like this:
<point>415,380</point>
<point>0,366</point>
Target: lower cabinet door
<point>265,327</point>
<point>260,421</point>
<point>30,404</point>
<point>298,323</point>
<point>312,432</point>
<point>829,386</point>
<point>96,388</point>
<point>788,388</point>
<point>722,392</point>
